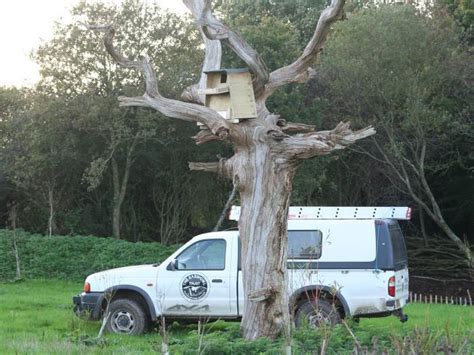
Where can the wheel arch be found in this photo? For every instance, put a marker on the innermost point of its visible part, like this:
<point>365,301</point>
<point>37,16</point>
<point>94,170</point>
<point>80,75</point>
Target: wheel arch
<point>130,292</point>
<point>322,292</point>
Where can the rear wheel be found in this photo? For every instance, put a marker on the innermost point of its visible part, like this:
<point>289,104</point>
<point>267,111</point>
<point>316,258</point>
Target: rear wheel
<point>126,317</point>
<point>317,312</point>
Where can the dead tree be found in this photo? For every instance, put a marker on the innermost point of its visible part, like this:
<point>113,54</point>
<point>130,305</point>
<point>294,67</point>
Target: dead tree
<point>12,216</point>
<point>267,151</point>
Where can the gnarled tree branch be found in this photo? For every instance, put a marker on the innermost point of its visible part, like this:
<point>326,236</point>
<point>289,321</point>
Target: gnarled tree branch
<point>223,167</point>
<point>212,61</point>
<point>306,146</point>
<point>291,127</point>
<point>216,30</point>
<point>152,97</point>
<point>204,136</point>
<point>299,70</point>
<point>207,167</point>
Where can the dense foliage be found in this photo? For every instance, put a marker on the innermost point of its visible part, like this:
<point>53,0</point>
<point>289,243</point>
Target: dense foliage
<point>410,78</point>
<point>76,163</point>
<point>73,257</point>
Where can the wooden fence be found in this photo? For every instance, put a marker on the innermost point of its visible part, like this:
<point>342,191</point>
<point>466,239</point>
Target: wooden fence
<point>435,299</point>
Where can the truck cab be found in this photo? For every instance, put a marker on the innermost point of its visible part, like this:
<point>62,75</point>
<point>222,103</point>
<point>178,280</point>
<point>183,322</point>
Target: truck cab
<point>337,268</point>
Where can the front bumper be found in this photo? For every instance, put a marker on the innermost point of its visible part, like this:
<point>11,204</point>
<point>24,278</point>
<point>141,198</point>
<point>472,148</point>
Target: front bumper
<point>88,305</point>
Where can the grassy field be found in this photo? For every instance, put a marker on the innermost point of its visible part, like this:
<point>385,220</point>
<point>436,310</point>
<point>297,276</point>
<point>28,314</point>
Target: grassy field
<point>36,317</point>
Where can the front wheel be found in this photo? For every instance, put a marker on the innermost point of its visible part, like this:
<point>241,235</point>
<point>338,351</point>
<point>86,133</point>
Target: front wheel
<point>316,313</point>
<point>126,317</point>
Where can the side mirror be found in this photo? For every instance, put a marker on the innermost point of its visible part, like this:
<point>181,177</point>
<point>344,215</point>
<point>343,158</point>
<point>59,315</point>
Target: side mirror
<point>173,265</point>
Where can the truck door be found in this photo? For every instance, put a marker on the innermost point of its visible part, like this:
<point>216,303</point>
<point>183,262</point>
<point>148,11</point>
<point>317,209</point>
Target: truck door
<point>197,282</point>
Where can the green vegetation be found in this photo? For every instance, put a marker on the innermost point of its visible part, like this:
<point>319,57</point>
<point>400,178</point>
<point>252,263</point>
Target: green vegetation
<point>407,78</point>
<point>73,257</point>
<point>76,163</point>
<point>36,318</point>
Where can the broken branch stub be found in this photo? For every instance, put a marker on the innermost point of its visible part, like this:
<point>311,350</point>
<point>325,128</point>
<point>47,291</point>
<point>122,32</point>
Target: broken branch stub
<point>222,168</point>
<point>261,295</point>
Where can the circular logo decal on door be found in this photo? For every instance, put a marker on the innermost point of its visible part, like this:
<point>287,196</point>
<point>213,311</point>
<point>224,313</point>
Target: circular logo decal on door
<point>194,287</point>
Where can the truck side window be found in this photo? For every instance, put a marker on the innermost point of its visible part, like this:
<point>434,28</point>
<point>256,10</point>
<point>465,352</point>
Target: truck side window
<point>304,244</point>
<point>203,255</point>
<point>400,258</point>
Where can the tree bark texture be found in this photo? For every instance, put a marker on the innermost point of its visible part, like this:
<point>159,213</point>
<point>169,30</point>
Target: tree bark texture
<point>12,214</point>
<point>265,157</point>
<point>120,187</point>
<point>265,187</point>
<point>51,209</point>
<point>117,203</point>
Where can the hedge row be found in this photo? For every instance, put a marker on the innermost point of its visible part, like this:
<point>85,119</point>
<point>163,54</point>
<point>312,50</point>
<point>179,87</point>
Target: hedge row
<point>73,257</point>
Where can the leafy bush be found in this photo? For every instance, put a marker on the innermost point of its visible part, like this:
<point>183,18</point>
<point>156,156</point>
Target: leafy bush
<point>222,338</point>
<point>219,338</point>
<point>73,257</point>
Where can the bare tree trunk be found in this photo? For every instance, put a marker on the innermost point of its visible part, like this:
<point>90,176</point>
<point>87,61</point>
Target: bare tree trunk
<point>170,209</point>
<point>117,204</point>
<point>120,187</point>
<point>438,217</point>
<point>263,168</point>
<point>265,188</point>
<point>17,256</point>
<point>51,209</point>
<point>13,216</point>
<point>227,205</point>
<point>423,227</point>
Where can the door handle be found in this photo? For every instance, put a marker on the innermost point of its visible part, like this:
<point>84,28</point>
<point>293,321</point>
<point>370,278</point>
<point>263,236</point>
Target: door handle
<point>217,280</point>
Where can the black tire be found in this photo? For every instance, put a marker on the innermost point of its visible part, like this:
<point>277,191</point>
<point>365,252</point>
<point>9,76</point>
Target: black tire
<point>316,312</point>
<point>127,317</point>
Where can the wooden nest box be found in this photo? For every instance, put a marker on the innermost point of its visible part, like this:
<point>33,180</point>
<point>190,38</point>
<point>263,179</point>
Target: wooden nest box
<point>230,93</point>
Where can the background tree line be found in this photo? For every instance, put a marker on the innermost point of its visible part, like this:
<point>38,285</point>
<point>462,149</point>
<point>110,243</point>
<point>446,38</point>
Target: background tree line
<point>76,163</point>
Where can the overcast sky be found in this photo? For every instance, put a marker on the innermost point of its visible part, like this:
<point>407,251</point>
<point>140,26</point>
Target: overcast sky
<point>25,23</point>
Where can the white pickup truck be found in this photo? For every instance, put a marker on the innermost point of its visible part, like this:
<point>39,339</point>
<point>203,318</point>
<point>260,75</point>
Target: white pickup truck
<point>342,262</point>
